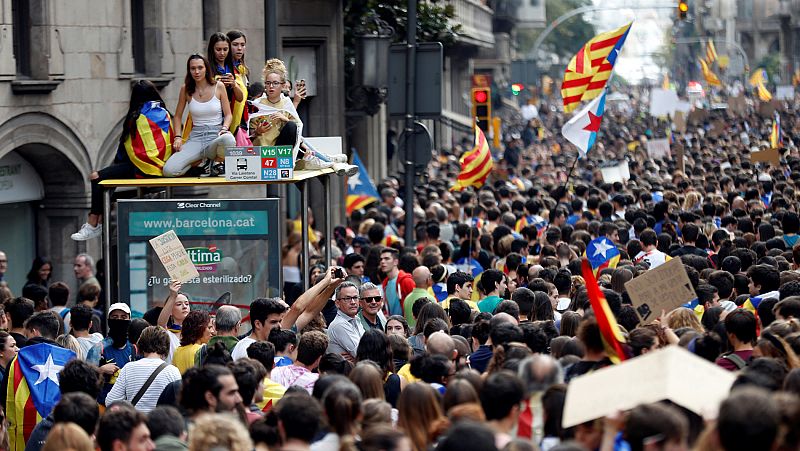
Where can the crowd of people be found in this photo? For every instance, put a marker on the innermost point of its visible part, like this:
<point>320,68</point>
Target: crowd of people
<point>467,339</point>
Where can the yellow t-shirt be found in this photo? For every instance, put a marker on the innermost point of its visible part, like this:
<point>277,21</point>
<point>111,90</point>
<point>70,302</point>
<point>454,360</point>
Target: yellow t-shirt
<point>472,304</point>
<point>405,373</point>
<point>273,392</point>
<point>183,358</point>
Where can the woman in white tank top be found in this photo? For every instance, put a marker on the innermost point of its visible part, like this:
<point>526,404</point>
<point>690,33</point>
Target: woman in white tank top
<point>211,117</point>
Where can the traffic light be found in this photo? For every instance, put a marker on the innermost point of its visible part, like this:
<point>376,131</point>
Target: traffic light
<point>683,9</point>
<point>482,107</point>
<point>517,88</point>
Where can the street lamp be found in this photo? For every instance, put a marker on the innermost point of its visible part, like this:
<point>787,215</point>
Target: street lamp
<point>373,39</point>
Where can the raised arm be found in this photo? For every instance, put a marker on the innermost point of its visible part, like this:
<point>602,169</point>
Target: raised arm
<point>163,317</point>
<point>310,303</point>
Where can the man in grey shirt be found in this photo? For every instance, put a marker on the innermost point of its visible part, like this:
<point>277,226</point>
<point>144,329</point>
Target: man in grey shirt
<point>345,330</point>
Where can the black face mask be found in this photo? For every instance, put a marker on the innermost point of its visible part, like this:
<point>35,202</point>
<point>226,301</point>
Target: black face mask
<point>118,331</point>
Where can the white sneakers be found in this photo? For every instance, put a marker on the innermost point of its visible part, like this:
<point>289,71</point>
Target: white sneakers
<point>344,169</point>
<point>87,232</point>
<point>312,162</point>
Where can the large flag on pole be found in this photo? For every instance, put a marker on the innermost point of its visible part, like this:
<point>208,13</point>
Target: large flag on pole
<point>602,253</point>
<point>360,189</point>
<point>708,74</point>
<point>759,80</point>
<point>711,53</point>
<point>582,129</point>
<point>476,164</point>
<point>588,71</point>
<point>609,330</point>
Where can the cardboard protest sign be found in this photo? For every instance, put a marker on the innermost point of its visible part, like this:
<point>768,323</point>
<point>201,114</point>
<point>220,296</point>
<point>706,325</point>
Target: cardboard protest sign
<point>766,109</point>
<point>658,149</point>
<point>737,105</point>
<point>697,116</point>
<point>770,156</point>
<point>784,92</point>
<point>174,257</point>
<point>717,128</point>
<point>664,288</point>
<point>663,102</point>
<point>671,373</point>
<point>680,121</point>
<point>617,173</point>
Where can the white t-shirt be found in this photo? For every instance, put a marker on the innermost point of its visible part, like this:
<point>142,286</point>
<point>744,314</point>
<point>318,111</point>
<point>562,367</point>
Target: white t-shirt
<point>91,347</point>
<point>133,376</point>
<point>174,343</point>
<point>240,350</point>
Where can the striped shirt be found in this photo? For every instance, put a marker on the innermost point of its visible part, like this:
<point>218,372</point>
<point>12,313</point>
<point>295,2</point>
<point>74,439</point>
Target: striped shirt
<point>133,376</point>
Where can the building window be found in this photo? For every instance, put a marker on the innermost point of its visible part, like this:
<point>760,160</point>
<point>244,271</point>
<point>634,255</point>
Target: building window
<point>21,13</point>
<point>146,36</point>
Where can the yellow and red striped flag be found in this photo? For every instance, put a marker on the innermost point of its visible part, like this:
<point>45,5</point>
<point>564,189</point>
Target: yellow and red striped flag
<point>476,164</point>
<point>708,74</point>
<point>589,70</point>
<point>609,330</point>
<point>149,144</point>
<point>711,53</point>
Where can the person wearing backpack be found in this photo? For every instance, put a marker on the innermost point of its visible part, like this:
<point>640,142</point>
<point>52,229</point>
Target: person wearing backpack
<point>740,327</point>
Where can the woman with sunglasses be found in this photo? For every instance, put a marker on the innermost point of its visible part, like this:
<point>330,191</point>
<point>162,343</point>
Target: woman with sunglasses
<point>210,109</point>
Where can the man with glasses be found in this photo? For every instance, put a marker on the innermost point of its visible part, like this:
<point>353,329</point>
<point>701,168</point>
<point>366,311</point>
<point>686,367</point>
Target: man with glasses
<point>371,316</point>
<point>345,330</point>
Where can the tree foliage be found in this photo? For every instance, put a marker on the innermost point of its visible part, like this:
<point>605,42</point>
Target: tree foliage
<point>433,23</point>
<point>565,39</point>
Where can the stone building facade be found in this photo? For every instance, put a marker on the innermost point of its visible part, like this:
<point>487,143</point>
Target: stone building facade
<point>66,68</point>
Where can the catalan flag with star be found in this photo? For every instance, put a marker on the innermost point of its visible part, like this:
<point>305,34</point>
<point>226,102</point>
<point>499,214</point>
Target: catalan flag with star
<point>710,77</point>
<point>149,143</point>
<point>33,389</point>
<point>360,189</point>
<point>476,164</point>
<point>602,253</point>
<point>589,70</point>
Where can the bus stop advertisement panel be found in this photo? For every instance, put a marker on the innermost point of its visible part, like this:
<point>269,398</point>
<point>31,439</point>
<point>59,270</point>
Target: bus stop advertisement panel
<point>234,245</point>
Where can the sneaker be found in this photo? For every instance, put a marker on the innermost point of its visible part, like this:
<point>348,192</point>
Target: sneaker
<point>314,163</point>
<point>206,166</point>
<point>87,232</point>
<point>344,169</point>
<point>218,169</point>
<point>338,158</point>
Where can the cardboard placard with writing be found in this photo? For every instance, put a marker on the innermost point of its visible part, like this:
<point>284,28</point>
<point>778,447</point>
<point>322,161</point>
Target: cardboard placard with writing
<point>664,288</point>
<point>680,121</point>
<point>658,149</point>
<point>671,373</point>
<point>737,105</point>
<point>174,257</point>
<point>697,116</point>
<point>717,128</point>
<point>771,156</point>
<point>766,109</point>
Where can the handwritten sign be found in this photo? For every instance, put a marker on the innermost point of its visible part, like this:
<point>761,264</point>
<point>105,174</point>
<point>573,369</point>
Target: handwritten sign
<point>174,257</point>
<point>771,156</point>
<point>662,288</point>
<point>658,149</point>
<point>671,373</point>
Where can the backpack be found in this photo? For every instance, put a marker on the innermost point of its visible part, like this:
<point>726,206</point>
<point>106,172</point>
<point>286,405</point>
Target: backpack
<point>736,360</point>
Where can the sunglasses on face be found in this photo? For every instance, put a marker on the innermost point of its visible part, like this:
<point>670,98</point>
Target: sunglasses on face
<point>372,300</point>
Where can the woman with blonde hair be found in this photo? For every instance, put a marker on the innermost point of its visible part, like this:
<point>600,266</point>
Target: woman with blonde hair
<point>68,437</point>
<point>219,431</point>
<point>420,415</point>
<point>684,317</point>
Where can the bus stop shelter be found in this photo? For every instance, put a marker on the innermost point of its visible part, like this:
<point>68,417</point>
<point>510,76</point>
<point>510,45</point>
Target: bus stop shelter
<point>301,179</point>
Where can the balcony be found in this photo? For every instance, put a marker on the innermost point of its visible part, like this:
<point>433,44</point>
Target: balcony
<point>475,19</point>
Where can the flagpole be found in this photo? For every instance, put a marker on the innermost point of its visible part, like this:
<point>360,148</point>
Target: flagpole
<point>571,170</point>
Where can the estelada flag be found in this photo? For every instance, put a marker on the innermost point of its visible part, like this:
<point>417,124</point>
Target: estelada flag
<point>602,253</point>
<point>711,53</point>
<point>360,189</point>
<point>589,70</point>
<point>476,164</point>
<point>33,389</point>
<point>710,77</point>
<point>609,330</point>
<point>149,144</point>
<point>776,135</point>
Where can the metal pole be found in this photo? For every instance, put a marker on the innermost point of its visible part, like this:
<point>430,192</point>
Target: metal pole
<point>411,71</point>
<point>107,247</point>
<point>271,31</point>
<point>326,186</point>
<point>303,186</point>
